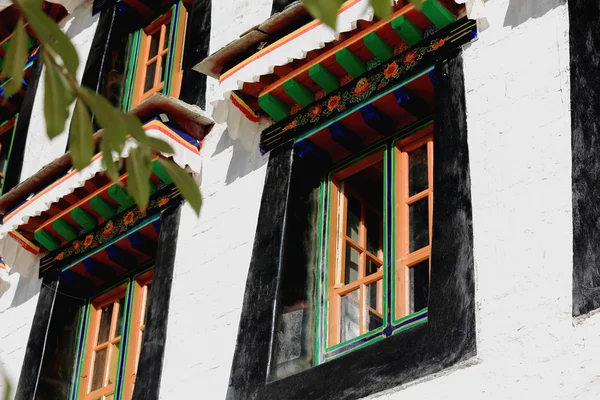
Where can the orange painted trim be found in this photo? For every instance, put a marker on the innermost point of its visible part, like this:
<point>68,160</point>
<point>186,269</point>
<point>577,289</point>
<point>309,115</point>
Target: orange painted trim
<point>150,125</point>
<point>26,244</point>
<point>306,28</point>
<point>243,107</point>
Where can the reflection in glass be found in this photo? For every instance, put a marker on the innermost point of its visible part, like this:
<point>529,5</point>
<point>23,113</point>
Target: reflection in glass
<point>372,267</point>
<point>349,316</point>
<point>98,372</point>
<point>351,270</point>
<point>167,33</point>
<point>154,42</point>
<point>373,233</point>
<point>120,317</point>
<point>353,221</point>
<point>417,170</point>
<point>105,319</point>
<point>418,286</point>
<point>374,305</point>
<point>162,68</point>
<point>418,224</point>
<point>150,71</point>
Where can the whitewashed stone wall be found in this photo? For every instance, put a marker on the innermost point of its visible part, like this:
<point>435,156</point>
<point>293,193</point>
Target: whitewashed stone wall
<point>17,305</point>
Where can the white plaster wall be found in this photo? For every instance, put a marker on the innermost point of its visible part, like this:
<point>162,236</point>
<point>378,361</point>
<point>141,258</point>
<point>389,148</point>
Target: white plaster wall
<point>529,346</point>
<point>80,26</point>
<point>17,305</point>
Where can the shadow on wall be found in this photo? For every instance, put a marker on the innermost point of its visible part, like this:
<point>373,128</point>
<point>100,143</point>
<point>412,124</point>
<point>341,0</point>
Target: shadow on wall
<point>242,161</point>
<point>24,284</point>
<point>520,11</point>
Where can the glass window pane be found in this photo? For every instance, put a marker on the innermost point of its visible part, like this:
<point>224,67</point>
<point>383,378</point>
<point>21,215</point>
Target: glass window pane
<point>349,316</point>
<point>417,170</point>
<point>98,369</point>
<point>373,233</point>
<point>418,224</point>
<point>374,316</point>
<point>418,286</point>
<point>167,33</point>
<point>105,319</point>
<point>352,260</point>
<point>150,72</point>
<point>353,219</point>
<point>114,362</point>
<point>154,42</point>
<point>120,317</point>
<point>372,267</point>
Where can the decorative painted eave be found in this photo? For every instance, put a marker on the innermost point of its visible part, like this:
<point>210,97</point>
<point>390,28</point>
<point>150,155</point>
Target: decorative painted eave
<point>179,124</point>
<point>312,61</point>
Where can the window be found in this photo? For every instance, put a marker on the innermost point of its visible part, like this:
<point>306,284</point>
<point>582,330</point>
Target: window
<point>361,262</point>
<point>158,62</point>
<point>116,326</point>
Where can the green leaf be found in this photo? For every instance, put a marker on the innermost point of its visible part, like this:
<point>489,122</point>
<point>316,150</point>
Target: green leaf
<point>110,118</point>
<point>50,33</point>
<point>138,179</point>
<point>382,8</point>
<point>418,3</point>
<point>136,130</point>
<point>58,96</point>
<point>14,61</point>
<point>324,10</point>
<point>185,183</point>
<point>81,142</point>
<point>107,161</point>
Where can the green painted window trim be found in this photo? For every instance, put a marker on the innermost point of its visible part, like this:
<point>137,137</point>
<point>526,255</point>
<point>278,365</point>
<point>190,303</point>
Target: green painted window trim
<point>134,55</point>
<point>387,145</point>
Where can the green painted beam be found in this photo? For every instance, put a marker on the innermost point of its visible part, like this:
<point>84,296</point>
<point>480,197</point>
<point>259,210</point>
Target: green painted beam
<point>437,13</point>
<point>321,75</point>
<point>380,49</point>
<point>350,62</point>
<point>102,207</point>
<point>64,229</point>
<point>46,239</point>
<point>298,92</point>
<point>120,195</point>
<point>83,218</point>
<point>407,30</point>
<point>276,108</point>
<point>159,171</point>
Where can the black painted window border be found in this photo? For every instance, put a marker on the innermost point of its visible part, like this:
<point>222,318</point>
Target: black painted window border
<point>448,337</point>
<point>584,44</point>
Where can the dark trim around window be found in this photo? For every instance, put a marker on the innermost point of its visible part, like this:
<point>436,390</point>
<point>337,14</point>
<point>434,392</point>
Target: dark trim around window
<point>584,42</point>
<point>449,335</point>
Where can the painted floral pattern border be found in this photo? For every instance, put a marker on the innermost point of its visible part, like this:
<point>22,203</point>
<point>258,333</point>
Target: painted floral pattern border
<point>107,231</point>
<point>373,82</point>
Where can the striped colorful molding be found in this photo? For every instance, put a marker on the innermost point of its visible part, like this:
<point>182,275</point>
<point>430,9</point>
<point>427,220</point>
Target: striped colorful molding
<point>368,87</point>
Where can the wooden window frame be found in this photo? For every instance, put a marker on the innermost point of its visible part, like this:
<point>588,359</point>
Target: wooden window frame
<point>171,50</point>
<point>135,293</point>
<point>402,258</point>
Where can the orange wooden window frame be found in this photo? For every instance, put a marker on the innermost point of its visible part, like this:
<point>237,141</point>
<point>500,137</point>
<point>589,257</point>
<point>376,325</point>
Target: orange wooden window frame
<point>339,242</point>
<point>405,259</point>
<point>92,346</point>
<point>136,331</point>
<point>144,61</point>
<point>133,340</point>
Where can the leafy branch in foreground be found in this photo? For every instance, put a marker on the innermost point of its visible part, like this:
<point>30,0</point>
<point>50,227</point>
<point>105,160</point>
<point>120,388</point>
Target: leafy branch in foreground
<point>327,10</point>
<point>61,89</point>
